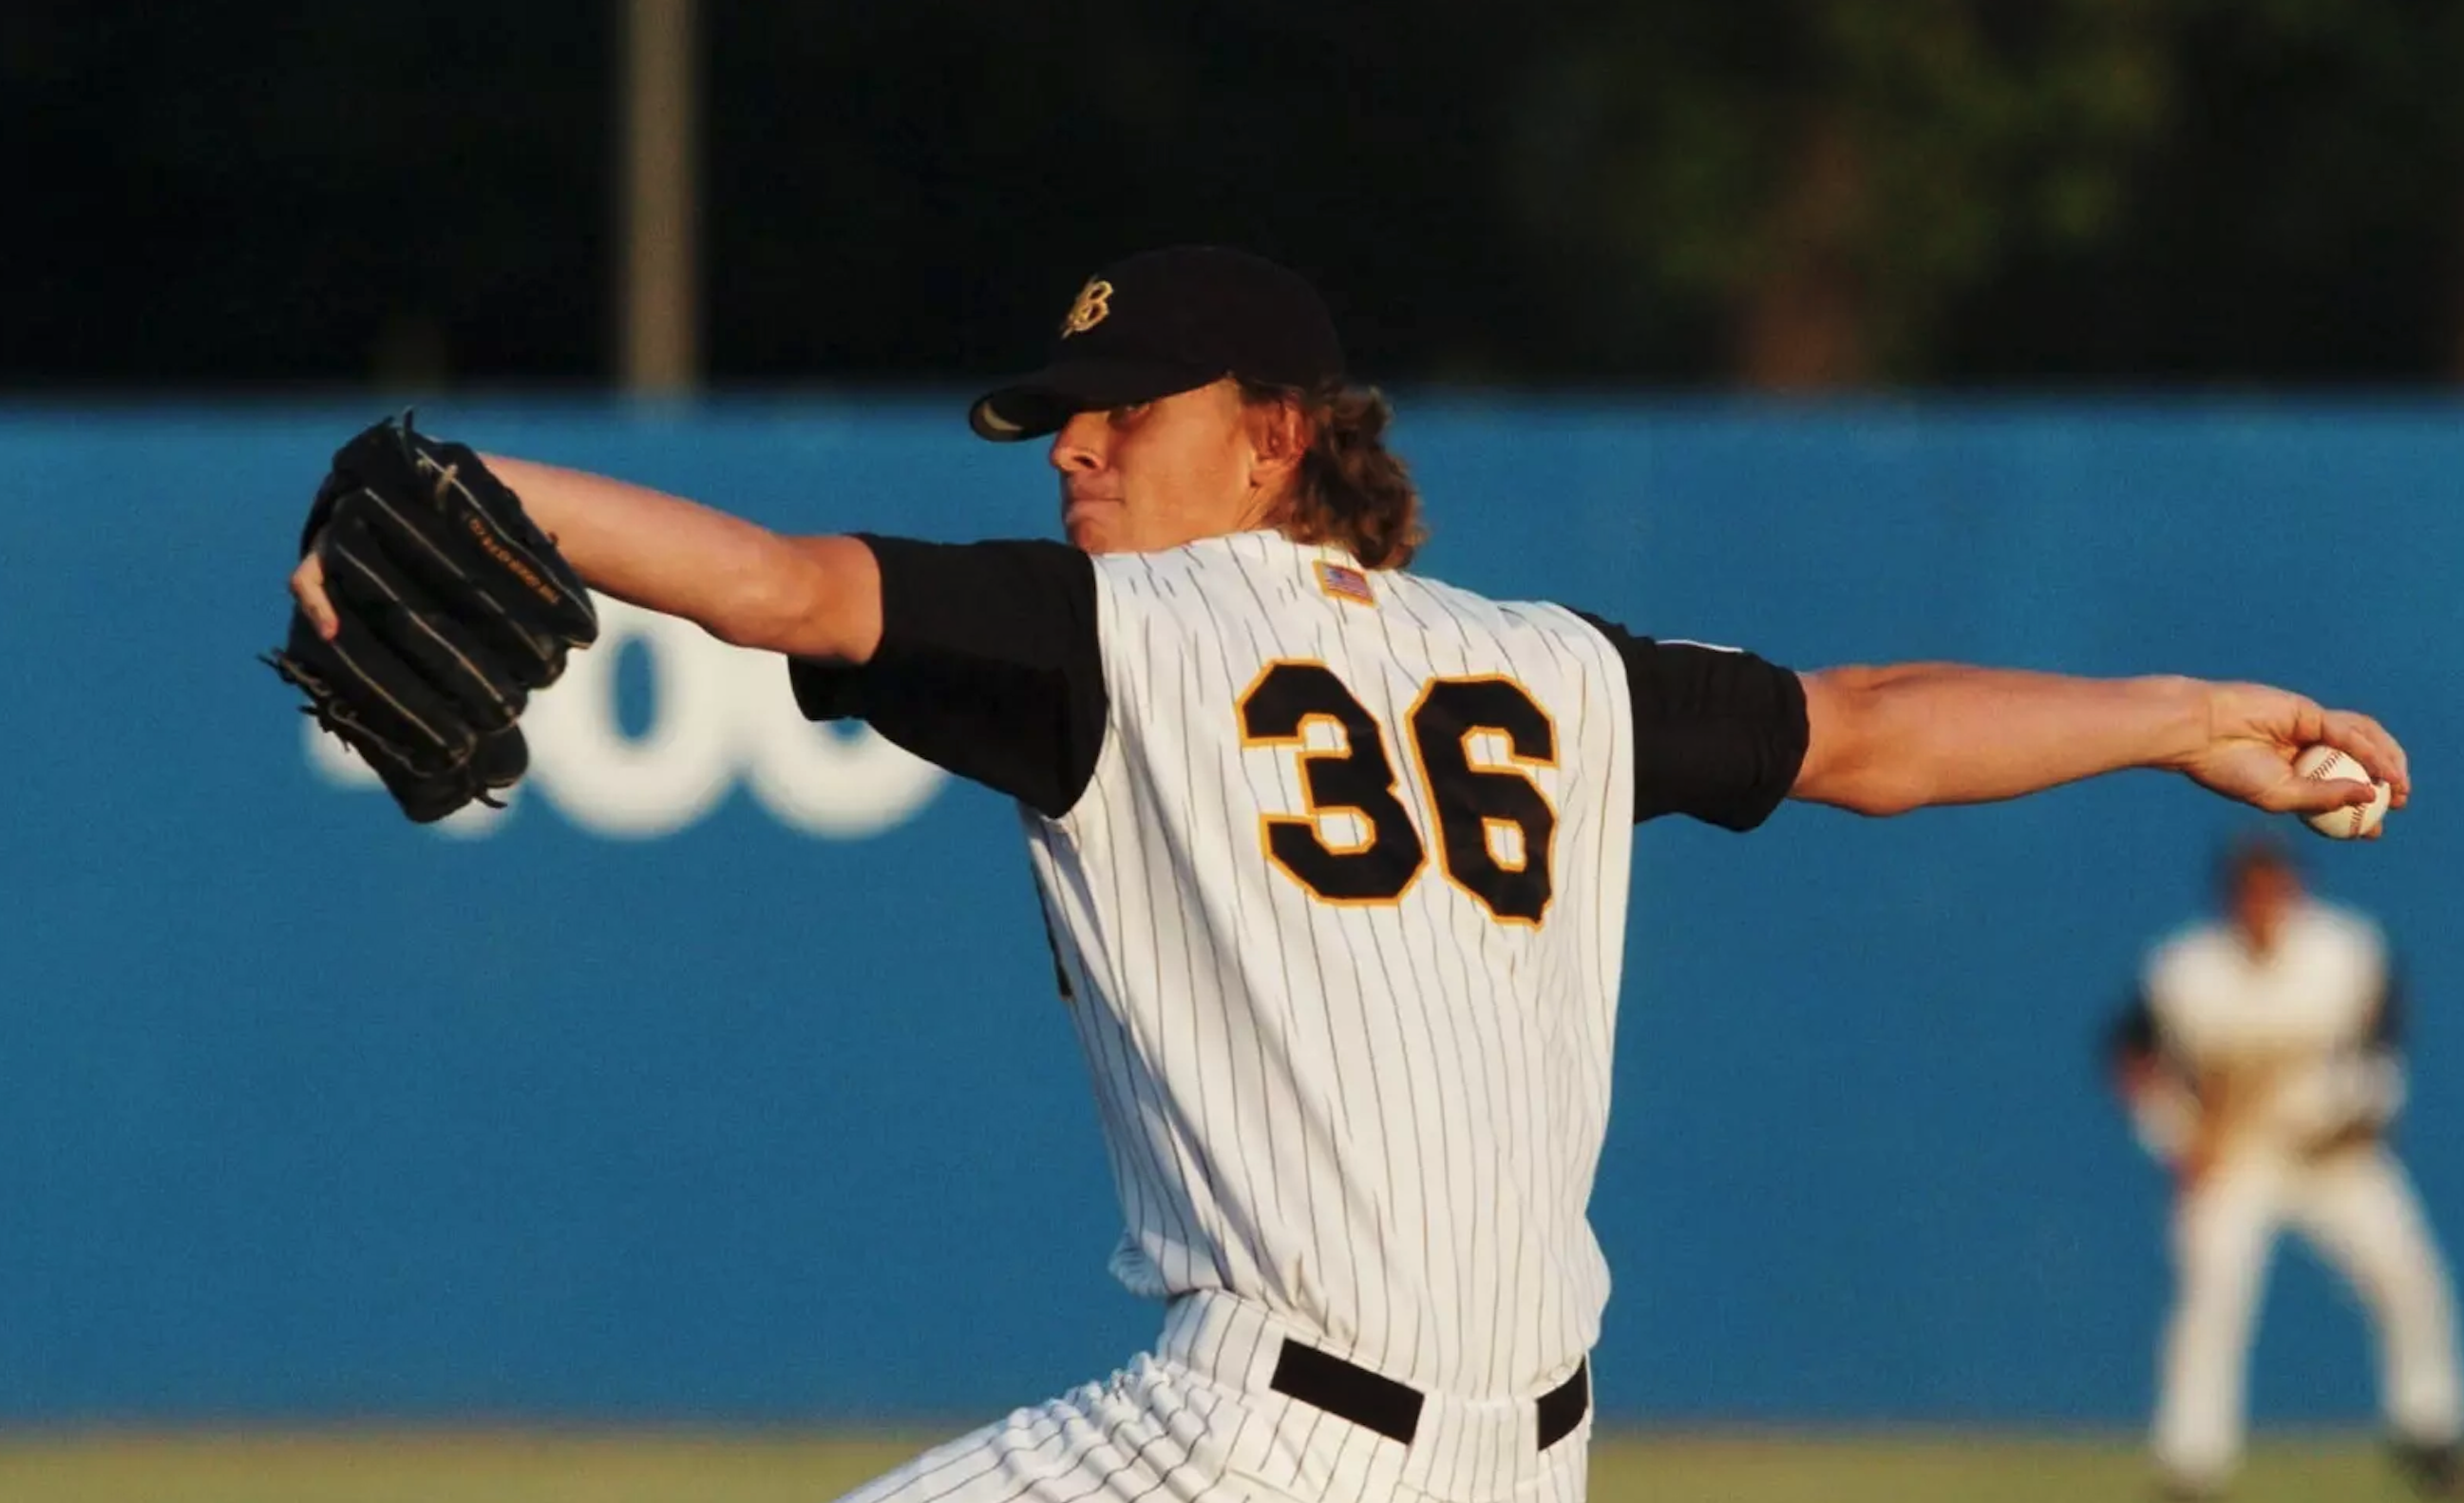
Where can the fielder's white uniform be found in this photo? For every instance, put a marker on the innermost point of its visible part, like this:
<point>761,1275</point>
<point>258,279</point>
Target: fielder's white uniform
<point>1335,866</point>
<point>2279,1071</point>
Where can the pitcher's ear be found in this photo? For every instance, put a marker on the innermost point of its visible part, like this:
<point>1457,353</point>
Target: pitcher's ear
<point>1279,429</point>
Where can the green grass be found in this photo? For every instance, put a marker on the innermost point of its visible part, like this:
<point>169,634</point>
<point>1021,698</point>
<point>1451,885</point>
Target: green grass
<point>521,1466</point>
<point>1946,1467</point>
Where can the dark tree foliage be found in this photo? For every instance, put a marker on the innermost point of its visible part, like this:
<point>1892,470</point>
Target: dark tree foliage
<point>254,193</point>
<point>957,174</point>
<point>2300,219</point>
<point>257,194</point>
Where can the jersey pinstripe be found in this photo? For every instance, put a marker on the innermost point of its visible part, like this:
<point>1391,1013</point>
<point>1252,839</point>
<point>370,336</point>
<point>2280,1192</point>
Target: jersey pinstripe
<point>1345,973</point>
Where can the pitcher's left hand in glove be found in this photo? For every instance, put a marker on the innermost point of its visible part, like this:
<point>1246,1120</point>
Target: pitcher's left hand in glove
<point>449,607</point>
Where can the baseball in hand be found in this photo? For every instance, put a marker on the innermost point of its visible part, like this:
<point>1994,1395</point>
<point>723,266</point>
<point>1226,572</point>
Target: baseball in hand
<point>2325,764</point>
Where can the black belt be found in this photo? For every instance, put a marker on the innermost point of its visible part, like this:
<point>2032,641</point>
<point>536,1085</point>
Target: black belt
<point>1377,1402</point>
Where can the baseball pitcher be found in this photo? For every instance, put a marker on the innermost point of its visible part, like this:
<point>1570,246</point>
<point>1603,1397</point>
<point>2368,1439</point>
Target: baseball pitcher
<point>1334,856</point>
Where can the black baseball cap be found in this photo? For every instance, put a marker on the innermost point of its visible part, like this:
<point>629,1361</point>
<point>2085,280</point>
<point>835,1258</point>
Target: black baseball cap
<point>1165,321</point>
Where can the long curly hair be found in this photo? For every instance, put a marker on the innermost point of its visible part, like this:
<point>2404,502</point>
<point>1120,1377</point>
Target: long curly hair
<point>1351,489</point>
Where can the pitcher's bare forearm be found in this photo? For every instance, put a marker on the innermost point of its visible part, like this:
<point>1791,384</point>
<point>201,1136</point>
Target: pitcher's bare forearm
<point>1886,740</point>
<point>1883,739</point>
<point>804,596</point>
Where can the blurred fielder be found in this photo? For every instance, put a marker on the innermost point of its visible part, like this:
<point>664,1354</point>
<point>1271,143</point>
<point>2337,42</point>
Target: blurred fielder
<point>2260,1062</point>
<point>1333,857</point>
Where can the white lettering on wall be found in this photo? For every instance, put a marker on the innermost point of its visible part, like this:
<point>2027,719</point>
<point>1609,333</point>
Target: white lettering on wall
<point>720,714</point>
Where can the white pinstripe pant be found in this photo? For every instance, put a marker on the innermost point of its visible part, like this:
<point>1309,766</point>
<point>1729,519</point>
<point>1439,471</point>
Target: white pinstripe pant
<point>1197,1421</point>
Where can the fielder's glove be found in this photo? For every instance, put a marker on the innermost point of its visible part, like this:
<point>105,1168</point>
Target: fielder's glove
<point>454,607</point>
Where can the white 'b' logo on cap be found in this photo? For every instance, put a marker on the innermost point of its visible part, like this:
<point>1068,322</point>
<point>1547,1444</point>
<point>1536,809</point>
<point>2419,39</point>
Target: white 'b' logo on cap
<point>1094,301</point>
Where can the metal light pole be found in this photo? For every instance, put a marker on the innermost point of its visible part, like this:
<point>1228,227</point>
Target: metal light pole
<point>661,313</point>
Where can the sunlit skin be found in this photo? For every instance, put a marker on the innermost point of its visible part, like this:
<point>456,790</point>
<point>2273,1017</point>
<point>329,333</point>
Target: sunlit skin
<point>1161,474</point>
<point>1206,463</point>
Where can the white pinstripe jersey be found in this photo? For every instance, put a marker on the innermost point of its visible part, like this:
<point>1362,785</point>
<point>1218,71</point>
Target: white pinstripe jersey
<point>1341,913</point>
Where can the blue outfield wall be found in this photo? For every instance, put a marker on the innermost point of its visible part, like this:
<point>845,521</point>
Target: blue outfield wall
<point>720,1080</point>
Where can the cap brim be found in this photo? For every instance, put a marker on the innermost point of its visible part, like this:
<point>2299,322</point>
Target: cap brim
<point>1040,402</point>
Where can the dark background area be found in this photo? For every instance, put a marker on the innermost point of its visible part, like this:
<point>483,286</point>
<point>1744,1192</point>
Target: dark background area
<point>1658,193</point>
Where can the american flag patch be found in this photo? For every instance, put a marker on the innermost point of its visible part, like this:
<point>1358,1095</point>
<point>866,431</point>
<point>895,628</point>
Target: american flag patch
<point>1345,583</point>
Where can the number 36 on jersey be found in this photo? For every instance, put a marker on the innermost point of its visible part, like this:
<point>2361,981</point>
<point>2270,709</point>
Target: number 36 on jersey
<point>1494,826</point>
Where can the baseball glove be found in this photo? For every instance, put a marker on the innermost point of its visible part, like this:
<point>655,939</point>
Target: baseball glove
<point>454,607</point>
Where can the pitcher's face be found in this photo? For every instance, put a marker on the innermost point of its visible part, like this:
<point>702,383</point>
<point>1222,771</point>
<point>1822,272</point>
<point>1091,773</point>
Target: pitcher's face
<point>1157,475</point>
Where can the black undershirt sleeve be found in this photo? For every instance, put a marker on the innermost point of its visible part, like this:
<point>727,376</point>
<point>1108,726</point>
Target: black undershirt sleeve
<point>1718,735</point>
<point>989,666</point>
